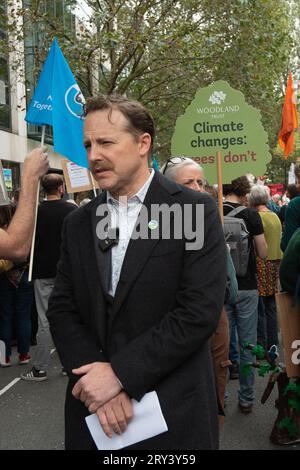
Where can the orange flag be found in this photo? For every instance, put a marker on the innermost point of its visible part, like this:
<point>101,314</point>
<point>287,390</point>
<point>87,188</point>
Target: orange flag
<point>289,120</point>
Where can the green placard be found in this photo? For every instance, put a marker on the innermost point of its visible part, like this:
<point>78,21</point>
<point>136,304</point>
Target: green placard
<point>219,119</point>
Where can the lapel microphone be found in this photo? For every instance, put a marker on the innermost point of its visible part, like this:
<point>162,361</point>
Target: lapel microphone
<point>111,239</point>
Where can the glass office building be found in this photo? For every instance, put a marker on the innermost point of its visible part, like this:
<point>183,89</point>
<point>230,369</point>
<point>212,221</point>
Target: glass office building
<point>17,138</point>
<point>35,37</point>
<point>5,115</point>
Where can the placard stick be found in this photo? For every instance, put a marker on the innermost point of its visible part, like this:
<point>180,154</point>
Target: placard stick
<point>220,185</point>
<point>35,219</point>
<point>94,189</point>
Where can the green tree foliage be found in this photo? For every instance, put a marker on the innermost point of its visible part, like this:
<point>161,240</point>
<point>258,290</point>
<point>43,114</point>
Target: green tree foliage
<point>161,51</point>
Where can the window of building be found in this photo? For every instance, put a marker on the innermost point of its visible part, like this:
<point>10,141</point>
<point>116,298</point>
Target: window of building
<point>5,115</point>
<point>15,175</point>
<point>35,40</point>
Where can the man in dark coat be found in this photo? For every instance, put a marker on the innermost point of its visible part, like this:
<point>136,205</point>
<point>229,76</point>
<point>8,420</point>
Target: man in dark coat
<point>131,314</point>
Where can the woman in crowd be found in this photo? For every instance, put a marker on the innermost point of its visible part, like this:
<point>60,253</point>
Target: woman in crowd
<point>267,269</point>
<point>291,193</point>
<point>187,172</point>
<point>16,295</point>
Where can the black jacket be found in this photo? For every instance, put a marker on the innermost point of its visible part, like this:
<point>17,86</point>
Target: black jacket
<point>50,218</point>
<point>156,333</point>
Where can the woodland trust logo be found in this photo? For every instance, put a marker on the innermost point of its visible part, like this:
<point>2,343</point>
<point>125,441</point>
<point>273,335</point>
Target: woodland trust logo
<point>217,97</point>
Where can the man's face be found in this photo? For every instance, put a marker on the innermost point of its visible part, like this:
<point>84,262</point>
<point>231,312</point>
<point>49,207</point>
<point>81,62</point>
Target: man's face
<point>116,157</point>
<point>190,176</point>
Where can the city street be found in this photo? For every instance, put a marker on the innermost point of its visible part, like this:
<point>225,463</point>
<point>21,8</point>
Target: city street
<point>171,131</point>
<point>32,414</point>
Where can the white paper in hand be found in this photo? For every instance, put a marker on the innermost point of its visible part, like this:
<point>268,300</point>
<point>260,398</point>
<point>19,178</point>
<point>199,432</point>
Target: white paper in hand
<point>148,421</point>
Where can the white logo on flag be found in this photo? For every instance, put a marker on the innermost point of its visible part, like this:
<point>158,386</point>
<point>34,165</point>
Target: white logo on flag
<point>74,100</point>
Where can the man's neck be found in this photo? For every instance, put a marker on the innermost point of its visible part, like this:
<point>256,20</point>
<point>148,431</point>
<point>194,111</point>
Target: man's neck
<point>132,189</point>
<point>53,197</point>
<point>262,208</point>
<point>233,198</point>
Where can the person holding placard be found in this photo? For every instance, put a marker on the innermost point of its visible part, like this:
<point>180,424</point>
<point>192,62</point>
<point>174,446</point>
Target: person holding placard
<point>51,215</point>
<point>15,242</point>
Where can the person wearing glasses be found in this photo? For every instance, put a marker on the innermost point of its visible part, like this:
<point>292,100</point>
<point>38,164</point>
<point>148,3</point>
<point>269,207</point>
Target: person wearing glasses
<point>134,305</point>
<point>187,172</point>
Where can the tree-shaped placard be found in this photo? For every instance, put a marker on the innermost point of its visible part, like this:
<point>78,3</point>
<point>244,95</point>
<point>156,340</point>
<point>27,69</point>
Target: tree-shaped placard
<point>219,119</point>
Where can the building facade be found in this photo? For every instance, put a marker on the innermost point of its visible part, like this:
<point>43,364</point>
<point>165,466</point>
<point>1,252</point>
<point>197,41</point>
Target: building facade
<point>17,84</point>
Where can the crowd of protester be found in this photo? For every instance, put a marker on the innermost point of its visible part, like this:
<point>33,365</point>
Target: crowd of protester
<point>249,313</point>
<point>252,313</point>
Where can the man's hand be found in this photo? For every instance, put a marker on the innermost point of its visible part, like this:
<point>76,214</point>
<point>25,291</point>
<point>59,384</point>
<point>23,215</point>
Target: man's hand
<point>98,385</point>
<point>116,414</point>
<point>36,163</point>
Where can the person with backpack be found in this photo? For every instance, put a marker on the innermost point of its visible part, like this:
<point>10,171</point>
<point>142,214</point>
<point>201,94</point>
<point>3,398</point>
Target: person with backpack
<point>243,312</point>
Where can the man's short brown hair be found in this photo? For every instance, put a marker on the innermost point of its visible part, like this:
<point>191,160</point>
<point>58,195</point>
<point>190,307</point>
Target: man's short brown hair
<point>138,117</point>
<point>51,182</point>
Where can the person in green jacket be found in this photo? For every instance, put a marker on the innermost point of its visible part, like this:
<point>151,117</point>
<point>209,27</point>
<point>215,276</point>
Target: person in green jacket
<point>292,215</point>
<point>289,273</point>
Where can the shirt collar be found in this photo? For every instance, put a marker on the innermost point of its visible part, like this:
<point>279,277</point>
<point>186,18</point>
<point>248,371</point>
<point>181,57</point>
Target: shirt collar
<point>139,196</point>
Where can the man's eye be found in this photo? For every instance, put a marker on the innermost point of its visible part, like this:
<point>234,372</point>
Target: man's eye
<point>200,182</point>
<point>87,145</point>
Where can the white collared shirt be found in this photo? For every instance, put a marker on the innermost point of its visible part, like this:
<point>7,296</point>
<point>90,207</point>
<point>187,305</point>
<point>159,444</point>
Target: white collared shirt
<point>124,215</point>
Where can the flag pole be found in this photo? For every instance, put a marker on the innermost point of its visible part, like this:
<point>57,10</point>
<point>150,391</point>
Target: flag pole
<point>220,185</point>
<point>35,218</point>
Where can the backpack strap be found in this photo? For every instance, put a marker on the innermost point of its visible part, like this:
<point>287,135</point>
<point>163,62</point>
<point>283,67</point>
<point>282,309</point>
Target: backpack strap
<point>235,211</point>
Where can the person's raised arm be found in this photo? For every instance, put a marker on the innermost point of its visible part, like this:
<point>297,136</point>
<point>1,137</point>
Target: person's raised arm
<point>15,242</point>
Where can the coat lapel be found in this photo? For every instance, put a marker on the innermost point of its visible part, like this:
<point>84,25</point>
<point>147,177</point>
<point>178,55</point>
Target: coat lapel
<point>96,267</point>
<point>103,258</point>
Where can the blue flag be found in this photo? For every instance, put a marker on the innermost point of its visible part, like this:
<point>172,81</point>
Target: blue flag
<point>154,163</point>
<point>58,101</point>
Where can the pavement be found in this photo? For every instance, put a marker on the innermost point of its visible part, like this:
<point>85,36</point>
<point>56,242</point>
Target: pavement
<point>32,413</point>
<point>251,431</point>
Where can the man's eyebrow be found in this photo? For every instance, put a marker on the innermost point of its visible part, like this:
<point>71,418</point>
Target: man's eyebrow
<point>99,140</point>
<point>102,139</point>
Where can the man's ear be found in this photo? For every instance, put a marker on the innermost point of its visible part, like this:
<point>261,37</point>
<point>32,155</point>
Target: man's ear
<point>145,143</point>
